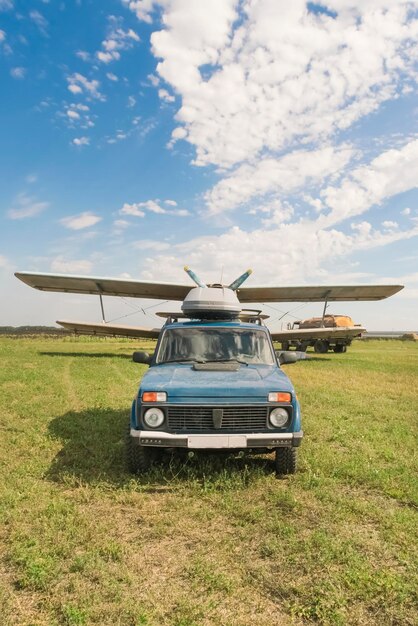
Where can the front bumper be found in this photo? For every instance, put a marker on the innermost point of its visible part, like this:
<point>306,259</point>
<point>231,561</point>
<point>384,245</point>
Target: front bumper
<point>217,441</point>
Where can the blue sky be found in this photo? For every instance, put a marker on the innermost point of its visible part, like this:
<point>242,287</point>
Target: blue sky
<point>137,137</point>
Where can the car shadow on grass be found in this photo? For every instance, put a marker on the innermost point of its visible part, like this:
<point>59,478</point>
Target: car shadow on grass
<point>93,451</point>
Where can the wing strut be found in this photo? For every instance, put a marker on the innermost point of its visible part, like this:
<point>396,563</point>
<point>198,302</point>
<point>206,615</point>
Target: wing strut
<point>325,309</point>
<point>100,289</point>
<point>102,307</point>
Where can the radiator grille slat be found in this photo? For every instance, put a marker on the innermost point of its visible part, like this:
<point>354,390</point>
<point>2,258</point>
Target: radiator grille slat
<point>236,418</point>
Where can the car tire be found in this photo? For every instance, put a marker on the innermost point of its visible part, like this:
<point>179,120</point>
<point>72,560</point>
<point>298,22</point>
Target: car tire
<point>321,346</point>
<point>285,460</point>
<point>339,348</point>
<point>139,459</point>
<point>285,345</point>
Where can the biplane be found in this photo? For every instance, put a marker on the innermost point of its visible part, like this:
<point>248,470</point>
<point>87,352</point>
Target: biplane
<point>214,380</point>
<point>220,296</point>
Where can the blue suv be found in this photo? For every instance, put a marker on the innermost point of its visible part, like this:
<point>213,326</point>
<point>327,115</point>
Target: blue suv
<point>214,385</point>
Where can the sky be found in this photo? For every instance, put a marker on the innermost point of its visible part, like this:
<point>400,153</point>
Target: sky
<point>137,137</point>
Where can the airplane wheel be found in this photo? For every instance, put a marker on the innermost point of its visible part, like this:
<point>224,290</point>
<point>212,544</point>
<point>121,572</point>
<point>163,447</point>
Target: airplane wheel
<point>285,460</point>
<point>139,459</point>
<point>321,346</point>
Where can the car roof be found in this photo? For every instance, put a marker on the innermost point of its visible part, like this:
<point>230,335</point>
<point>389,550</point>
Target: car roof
<point>215,324</point>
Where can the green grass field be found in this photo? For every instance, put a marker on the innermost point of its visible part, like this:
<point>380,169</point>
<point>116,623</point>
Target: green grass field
<point>210,540</point>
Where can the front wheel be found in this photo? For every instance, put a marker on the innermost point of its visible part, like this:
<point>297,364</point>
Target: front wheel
<point>139,458</point>
<point>321,346</point>
<point>285,460</point>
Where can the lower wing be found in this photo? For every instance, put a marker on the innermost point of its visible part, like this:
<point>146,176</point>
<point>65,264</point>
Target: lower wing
<point>318,333</point>
<point>109,330</point>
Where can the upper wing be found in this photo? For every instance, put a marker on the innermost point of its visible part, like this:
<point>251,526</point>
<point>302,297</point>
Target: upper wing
<point>317,294</point>
<point>317,333</point>
<point>131,288</point>
<point>125,287</point>
<point>110,330</point>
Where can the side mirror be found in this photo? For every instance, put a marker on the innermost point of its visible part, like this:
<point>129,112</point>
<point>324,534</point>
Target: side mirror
<point>142,357</point>
<point>290,356</point>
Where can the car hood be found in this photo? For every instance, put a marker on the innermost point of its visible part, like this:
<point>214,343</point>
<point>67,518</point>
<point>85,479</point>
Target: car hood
<point>248,381</point>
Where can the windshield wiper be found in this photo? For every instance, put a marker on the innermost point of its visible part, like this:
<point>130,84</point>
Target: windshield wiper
<point>184,361</point>
<point>230,361</point>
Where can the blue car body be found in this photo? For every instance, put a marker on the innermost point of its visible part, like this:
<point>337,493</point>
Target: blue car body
<point>217,404</point>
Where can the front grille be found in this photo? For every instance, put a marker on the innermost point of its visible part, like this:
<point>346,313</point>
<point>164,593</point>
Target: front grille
<point>234,418</point>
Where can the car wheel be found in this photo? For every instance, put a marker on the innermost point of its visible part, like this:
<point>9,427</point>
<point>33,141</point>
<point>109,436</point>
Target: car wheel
<point>139,458</point>
<point>321,346</point>
<point>339,348</point>
<point>285,345</point>
<point>285,460</point>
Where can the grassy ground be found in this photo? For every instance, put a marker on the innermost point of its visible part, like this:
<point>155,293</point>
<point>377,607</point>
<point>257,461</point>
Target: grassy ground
<point>211,540</point>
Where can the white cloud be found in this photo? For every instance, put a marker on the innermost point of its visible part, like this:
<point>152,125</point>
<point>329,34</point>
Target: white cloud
<point>112,77</point>
<point>77,115</point>
<point>163,94</point>
<point>107,57</point>
<point>40,21</point>
<point>27,206</point>
<point>153,207</point>
<point>131,101</point>
<point>390,225</point>
<point>6,5</point>
<point>81,141</point>
<point>119,136</point>
<point>142,8</point>
<point>139,209</point>
<point>83,55</point>
<point>288,254</point>
<point>180,212</point>
<point>117,40</point>
<point>406,211</point>
<point>278,211</point>
<point>78,222</point>
<point>2,36</point>
<point>154,80</point>
<point>78,84</point>
<point>279,176</point>
<point>18,72</point>
<point>31,178</point>
<point>121,224</point>
<point>287,75</point>
<point>132,209</point>
<point>61,266</point>
<point>390,173</point>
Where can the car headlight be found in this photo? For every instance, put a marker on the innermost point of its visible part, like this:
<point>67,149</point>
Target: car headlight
<point>154,417</point>
<point>278,417</point>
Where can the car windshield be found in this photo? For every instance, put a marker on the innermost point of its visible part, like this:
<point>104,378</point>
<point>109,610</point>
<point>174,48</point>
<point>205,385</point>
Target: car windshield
<point>215,344</point>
